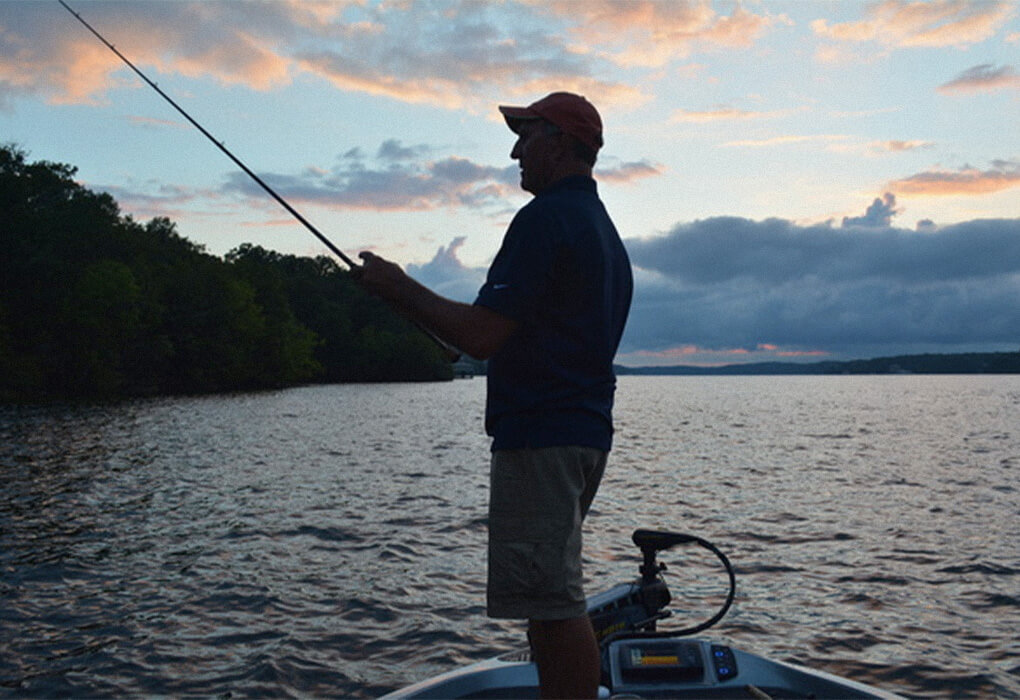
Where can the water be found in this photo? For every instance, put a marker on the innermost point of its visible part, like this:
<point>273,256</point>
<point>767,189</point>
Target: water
<point>329,541</point>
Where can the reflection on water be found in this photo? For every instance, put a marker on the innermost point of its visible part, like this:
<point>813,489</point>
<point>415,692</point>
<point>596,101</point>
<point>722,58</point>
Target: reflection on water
<point>330,540</point>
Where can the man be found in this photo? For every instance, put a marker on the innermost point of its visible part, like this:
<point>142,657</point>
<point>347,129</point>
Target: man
<point>549,319</point>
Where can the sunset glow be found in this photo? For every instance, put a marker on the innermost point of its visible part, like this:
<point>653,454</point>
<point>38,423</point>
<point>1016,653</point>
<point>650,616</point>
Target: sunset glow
<point>794,180</point>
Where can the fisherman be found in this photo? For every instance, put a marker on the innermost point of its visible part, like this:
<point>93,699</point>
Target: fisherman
<point>548,319</point>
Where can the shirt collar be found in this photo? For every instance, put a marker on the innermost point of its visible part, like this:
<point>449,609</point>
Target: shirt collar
<point>572,182</point>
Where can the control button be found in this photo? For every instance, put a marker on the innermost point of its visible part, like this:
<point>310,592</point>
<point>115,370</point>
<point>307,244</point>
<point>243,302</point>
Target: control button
<point>724,661</point>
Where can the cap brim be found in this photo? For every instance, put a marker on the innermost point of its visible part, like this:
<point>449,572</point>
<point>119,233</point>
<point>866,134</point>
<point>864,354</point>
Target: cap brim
<point>515,116</point>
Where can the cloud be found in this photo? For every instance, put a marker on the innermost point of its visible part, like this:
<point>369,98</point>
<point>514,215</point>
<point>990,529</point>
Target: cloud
<point>626,173</point>
<point>722,113</point>
<point>647,33</point>
<point>46,52</point>
<point>899,146</point>
<point>858,290</point>
<point>152,199</point>
<point>152,122</point>
<point>451,55</point>
<point>983,78</point>
<point>967,181</point>
<point>709,357</point>
<point>909,23</point>
<point>461,55</point>
<point>398,182</point>
<point>727,290</point>
<point>399,177</point>
<point>879,214</point>
<point>789,139</point>
<point>38,59</point>
<point>393,149</point>
<point>447,275</point>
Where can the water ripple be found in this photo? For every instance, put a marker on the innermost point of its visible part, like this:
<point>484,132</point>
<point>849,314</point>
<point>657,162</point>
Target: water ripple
<point>237,546</point>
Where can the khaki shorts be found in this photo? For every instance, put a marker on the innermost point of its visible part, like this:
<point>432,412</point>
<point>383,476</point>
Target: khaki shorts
<point>537,502</point>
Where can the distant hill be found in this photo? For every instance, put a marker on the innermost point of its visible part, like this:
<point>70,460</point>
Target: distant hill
<point>964,363</point>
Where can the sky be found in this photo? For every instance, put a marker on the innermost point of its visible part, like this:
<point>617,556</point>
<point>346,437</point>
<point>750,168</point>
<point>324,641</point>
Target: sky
<point>794,181</point>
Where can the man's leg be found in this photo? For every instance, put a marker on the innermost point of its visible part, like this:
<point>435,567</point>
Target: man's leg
<point>538,500</point>
<point>567,656</point>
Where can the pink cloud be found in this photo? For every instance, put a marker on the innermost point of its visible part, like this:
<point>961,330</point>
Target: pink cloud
<point>650,34</point>
<point>908,23</point>
<point>626,173</point>
<point>717,114</point>
<point>697,356</point>
<point>966,181</point>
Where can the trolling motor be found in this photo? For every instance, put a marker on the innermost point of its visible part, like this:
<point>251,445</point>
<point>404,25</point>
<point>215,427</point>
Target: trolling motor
<point>634,609</point>
<point>634,656</point>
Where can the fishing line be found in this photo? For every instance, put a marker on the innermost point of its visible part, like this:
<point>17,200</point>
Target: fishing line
<point>450,351</point>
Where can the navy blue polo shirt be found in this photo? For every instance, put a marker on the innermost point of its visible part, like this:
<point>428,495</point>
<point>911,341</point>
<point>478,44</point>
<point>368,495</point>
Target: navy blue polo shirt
<point>563,274</point>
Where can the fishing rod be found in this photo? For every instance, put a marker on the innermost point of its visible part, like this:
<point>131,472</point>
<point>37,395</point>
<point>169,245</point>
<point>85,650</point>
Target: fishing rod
<point>219,144</point>
<point>450,351</point>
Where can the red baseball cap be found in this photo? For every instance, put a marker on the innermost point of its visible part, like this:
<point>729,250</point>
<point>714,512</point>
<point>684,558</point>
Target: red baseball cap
<point>572,113</point>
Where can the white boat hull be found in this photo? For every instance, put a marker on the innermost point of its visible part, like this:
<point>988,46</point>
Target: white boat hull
<point>640,662</point>
<point>750,676</point>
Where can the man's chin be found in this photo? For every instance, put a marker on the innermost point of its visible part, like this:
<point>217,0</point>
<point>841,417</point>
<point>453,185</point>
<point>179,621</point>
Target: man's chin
<point>528,184</point>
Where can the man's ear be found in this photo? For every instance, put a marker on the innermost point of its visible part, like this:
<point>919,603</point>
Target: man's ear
<point>564,147</point>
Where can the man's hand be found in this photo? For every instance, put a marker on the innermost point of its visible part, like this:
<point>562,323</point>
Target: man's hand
<point>476,330</point>
<point>382,277</point>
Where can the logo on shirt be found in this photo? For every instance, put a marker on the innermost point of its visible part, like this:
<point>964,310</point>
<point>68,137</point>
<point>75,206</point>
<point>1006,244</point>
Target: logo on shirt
<point>497,287</point>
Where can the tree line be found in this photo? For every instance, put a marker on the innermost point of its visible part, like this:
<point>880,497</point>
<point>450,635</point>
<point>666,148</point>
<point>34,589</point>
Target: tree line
<point>93,303</point>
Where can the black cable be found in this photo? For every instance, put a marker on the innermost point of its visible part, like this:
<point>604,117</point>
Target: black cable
<point>652,541</point>
<point>729,596</point>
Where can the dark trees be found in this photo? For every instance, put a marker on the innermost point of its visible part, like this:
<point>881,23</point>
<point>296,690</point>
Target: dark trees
<point>94,303</point>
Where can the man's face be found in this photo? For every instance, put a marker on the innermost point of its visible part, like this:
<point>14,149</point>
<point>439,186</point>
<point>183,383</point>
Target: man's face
<point>539,150</point>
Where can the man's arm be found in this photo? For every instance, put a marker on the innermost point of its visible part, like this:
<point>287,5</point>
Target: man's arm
<point>476,330</point>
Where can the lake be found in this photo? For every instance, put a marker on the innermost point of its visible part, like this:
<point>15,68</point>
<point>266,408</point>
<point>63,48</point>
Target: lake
<point>330,540</point>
